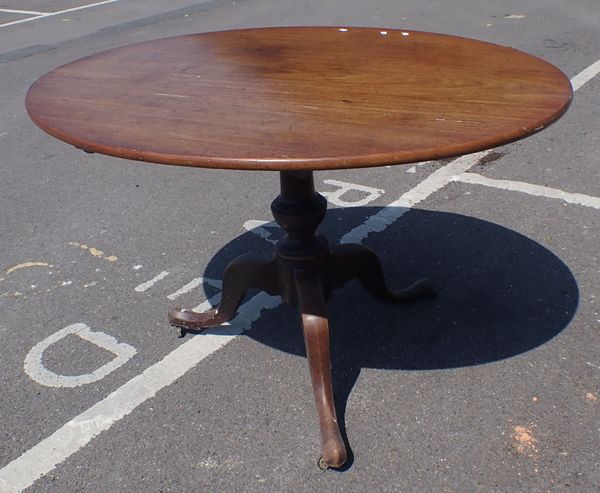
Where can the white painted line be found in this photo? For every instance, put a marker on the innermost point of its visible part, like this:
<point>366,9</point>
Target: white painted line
<point>26,12</point>
<point>21,21</point>
<point>51,14</point>
<point>194,283</point>
<point>395,210</point>
<point>344,187</point>
<point>259,228</point>
<point>148,284</point>
<point>413,169</point>
<point>531,189</point>
<point>34,366</point>
<point>437,180</point>
<point>82,7</point>
<point>77,433</point>
<point>586,75</point>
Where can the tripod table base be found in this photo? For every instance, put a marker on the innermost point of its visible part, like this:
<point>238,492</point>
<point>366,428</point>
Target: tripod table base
<point>303,270</point>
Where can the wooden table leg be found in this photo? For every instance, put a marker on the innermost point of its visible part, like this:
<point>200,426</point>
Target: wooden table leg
<point>312,306</point>
<point>303,271</point>
<point>249,271</point>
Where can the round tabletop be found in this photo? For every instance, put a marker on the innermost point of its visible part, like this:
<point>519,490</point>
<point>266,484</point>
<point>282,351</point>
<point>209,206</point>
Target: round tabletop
<point>299,98</point>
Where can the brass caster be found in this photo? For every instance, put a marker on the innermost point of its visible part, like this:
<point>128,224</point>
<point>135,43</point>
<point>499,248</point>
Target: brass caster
<point>321,464</point>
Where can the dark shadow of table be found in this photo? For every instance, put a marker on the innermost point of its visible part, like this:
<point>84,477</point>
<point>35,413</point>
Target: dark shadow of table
<point>499,294</point>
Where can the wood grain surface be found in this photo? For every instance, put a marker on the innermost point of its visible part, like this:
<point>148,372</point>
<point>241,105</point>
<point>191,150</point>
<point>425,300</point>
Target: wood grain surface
<point>299,98</point>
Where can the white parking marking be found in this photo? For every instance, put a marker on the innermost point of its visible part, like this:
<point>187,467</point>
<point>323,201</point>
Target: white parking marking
<point>531,189</point>
<point>259,228</point>
<point>437,180</point>
<point>585,76</point>
<point>45,456</point>
<point>344,187</point>
<point>60,12</point>
<point>194,283</point>
<point>148,284</point>
<point>77,433</point>
<point>593,365</point>
<point>395,210</point>
<point>36,370</point>
<point>25,12</point>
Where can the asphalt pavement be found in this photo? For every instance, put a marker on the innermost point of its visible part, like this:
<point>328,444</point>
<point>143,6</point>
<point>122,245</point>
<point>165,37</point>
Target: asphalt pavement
<point>492,386</point>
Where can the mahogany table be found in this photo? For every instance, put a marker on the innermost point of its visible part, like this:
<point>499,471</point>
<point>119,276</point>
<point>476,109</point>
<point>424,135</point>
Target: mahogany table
<point>295,100</point>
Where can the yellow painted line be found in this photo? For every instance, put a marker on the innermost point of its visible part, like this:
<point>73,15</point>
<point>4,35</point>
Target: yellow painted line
<point>94,251</point>
<point>27,265</point>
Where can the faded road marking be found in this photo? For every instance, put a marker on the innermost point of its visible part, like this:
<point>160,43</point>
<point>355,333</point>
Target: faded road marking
<point>260,228</point>
<point>27,265</point>
<point>592,365</point>
<point>77,433</point>
<point>369,193</point>
<point>148,284</point>
<point>94,251</point>
<point>60,12</point>
<point>25,12</point>
<point>36,370</point>
<point>530,189</point>
<point>194,283</point>
<point>395,210</point>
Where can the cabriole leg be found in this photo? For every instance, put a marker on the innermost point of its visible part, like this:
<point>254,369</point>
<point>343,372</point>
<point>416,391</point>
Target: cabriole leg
<point>312,306</point>
<point>250,271</point>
